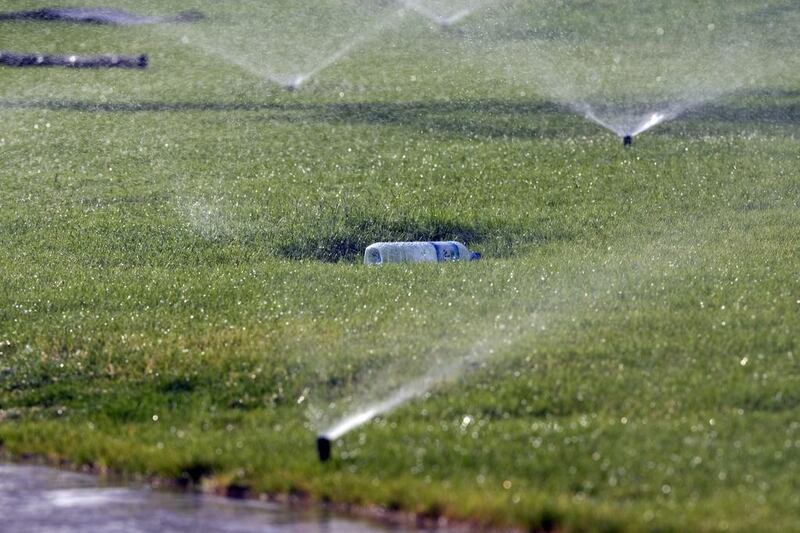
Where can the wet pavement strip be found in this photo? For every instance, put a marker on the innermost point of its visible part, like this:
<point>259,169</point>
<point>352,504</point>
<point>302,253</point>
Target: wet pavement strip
<point>42,499</point>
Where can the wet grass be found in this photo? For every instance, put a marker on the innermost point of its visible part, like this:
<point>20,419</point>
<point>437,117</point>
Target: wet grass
<point>182,294</point>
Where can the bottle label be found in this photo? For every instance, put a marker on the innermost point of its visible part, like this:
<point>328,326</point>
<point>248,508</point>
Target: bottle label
<point>446,251</point>
<point>373,256</point>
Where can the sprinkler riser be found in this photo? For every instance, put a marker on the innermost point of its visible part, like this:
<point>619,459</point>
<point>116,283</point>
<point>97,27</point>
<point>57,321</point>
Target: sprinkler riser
<point>323,448</point>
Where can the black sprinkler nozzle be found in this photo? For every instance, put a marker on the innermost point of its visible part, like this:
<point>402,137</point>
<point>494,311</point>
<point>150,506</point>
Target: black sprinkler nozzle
<point>627,140</point>
<point>323,448</point>
<point>294,84</point>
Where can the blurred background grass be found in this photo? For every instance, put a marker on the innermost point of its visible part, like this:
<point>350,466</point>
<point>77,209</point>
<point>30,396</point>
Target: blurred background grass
<point>182,294</point>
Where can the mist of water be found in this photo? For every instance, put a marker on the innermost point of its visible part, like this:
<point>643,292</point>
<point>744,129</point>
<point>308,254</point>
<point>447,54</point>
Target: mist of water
<point>394,400</point>
<point>628,125</point>
<point>344,50</point>
<point>628,67</point>
<point>208,217</point>
<point>451,369</point>
<point>626,83</point>
<point>528,319</point>
<point>444,15</point>
<point>283,45</point>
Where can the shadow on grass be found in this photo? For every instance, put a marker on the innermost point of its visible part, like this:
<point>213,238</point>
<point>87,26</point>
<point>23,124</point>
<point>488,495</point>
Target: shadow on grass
<point>347,241</point>
<point>481,118</point>
<point>487,118</point>
<point>346,238</point>
<point>772,107</point>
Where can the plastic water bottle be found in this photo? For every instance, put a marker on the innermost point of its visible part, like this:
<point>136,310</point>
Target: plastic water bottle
<point>417,252</point>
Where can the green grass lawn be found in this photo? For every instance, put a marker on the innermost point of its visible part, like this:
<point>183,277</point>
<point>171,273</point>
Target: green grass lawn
<point>182,294</point>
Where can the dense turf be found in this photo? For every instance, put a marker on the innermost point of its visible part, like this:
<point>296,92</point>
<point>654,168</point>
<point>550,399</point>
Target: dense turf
<point>182,293</point>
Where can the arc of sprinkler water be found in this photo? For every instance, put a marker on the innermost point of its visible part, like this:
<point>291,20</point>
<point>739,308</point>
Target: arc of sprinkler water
<point>653,120</point>
<point>440,20</point>
<point>294,82</point>
<point>667,112</point>
<point>238,60</point>
<point>490,347</point>
<point>650,121</point>
<point>362,416</point>
<point>452,19</point>
<point>422,10</point>
<point>298,80</point>
<point>590,114</point>
<point>442,374</point>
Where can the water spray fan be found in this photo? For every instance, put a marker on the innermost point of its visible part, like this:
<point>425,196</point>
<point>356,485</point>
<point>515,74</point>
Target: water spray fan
<point>365,414</point>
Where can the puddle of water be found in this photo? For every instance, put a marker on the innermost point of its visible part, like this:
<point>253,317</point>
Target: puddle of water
<point>46,500</point>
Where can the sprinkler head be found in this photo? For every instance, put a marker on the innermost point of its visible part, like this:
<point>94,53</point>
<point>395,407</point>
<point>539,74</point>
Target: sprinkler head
<point>627,140</point>
<point>294,84</point>
<point>323,448</point>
